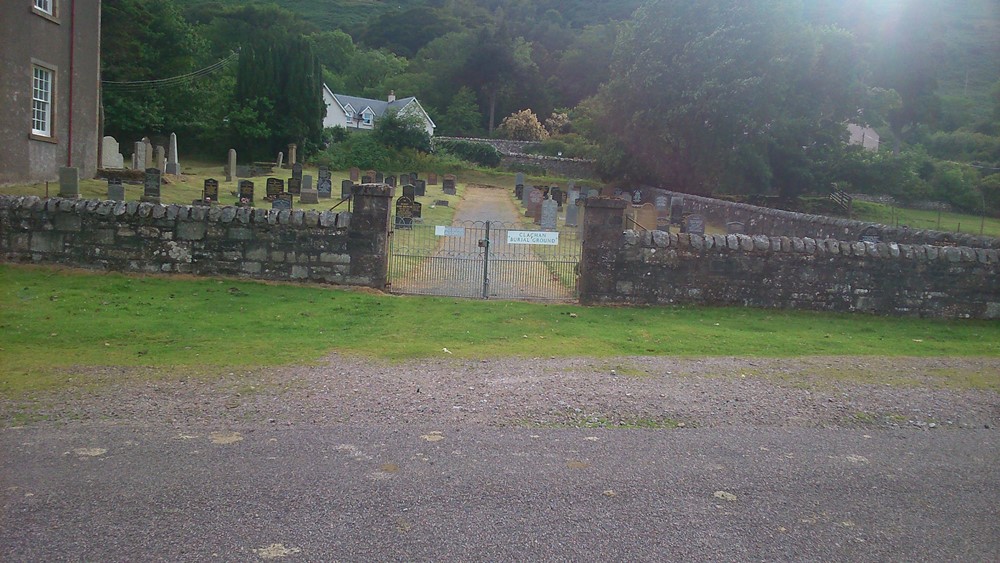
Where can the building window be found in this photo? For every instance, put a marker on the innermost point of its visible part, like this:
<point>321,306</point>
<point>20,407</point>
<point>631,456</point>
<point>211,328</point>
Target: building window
<point>367,117</point>
<point>41,101</point>
<point>45,6</point>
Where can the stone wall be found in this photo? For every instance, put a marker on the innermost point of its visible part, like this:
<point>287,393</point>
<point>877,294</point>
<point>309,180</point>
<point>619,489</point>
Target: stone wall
<point>775,222</point>
<point>659,268</point>
<point>513,154</point>
<point>339,248</point>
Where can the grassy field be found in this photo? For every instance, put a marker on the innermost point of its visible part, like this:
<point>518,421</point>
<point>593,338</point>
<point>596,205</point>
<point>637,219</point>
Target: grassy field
<point>932,220</point>
<point>54,320</point>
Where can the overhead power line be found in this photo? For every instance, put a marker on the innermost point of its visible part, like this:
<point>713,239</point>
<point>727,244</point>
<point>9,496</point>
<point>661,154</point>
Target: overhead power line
<point>134,85</point>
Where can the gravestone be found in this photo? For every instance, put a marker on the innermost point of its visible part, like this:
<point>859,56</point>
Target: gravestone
<point>366,179</point>
<point>694,224</point>
<point>110,155</point>
<point>139,156</point>
<point>116,191</point>
<point>379,178</point>
<point>244,171</point>
<point>307,182</point>
<point>870,234</point>
<point>148,151</point>
<point>297,171</point>
<point>281,160</point>
<point>550,212</point>
<point>390,180</point>
<point>324,184</point>
<point>246,192</point>
<point>662,210</point>
<point>210,191</point>
<point>526,195</point>
<point>572,210</point>
<point>519,191</point>
<point>283,201</point>
<point>519,178</point>
<point>345,189</point>
<point>593,192</point>
<point>231,165</point>
<point>432,178</point>
<point>441,202</point>
<point>295,186</point>
<point>413,178</point>
<point>404,213</point>
<point>292,152</point>
<point>421,186</point>
<point>448,185</point>
<point>676,210</point>
<point>637,197</point>
<point>410,192</point>
<point>355,175</point>
<point>273,188</point>
<point>173,162</point>
<point>645,216</point>
<point>535,199</point>
<point>417,212</point>
<point>151,185</point>
<point>557,196</point>
<point>309,196</point>
<point>735,228</point>
<point>69,182</point>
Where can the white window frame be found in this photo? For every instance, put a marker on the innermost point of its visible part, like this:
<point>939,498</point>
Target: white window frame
<point>46,6</point>
<point>367,117</point>
<point>43,86</point>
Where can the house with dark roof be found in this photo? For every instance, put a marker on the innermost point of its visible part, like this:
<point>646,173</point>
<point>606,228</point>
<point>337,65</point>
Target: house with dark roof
<point>352,112</point>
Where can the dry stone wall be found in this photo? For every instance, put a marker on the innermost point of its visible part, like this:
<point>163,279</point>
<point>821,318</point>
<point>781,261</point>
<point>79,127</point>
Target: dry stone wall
<point>232,241</point>
<point>799,273</point>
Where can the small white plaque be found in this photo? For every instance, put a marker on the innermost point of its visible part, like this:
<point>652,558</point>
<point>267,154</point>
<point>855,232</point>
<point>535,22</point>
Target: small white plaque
<point>442,231</point>
<point>533,237</point>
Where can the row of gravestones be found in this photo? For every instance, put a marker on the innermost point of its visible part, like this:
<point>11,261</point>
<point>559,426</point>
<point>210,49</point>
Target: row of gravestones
<point>144,155</point>
<point>448,181</point>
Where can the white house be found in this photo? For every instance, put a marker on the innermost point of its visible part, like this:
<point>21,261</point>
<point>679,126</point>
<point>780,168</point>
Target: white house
<point>361,113</point>
<point>864,136</point>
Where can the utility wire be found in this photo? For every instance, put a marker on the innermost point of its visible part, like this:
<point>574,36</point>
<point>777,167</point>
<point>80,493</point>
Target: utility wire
<point>137,85</point>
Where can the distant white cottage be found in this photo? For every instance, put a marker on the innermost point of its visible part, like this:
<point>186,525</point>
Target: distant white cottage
<point>864,136</point>
<point>361,113</point>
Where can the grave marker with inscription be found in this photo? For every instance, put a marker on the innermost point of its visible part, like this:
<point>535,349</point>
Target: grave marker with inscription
<point>295,185</point>
<point>694,224</point>
<point>676,210</point>
<point>404,213</point>
<point>421,187</point>
<point>273,188</point>
<point>151,185</point>
<point>324,185</point>
<point>345,189</point>
<point>550,212</point>
<point>410,192</point>
<point>246,192</point>
<point>116,191</point>
<point>210,191</point>
<point>283,201</point>
<point>448,185</point>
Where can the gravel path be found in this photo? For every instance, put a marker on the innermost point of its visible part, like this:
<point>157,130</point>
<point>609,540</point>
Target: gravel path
<point>633,391</point>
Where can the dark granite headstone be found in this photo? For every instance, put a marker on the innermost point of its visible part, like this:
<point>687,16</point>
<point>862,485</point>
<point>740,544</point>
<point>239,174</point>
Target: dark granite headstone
<point>295,185</point>
<point>418,210</point>
<point>116,191</point>
<point>404,213</point>
<point>448,185</point>
<point>676,210</point>
<point>410,192</point>
<point>210,191</point>
<point>297,171</point>
<point>151,185</point>
<point>379,178</point>
<point>441,202</point>
<point>366,179</point>
<point>324,183</point>
<point>421,187</point>
<point>273,188</point>
<point>694,224</point>
<point>871,234</point>
<point>390,180</point>
<point>413,178</point>
<point>246,192</point>
<point>282,201</point>
<point>345,189</point>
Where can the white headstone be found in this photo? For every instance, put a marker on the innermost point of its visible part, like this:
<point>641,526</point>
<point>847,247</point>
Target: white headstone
<point>173,164</point>
<point>139,156</point>
<point>550,211</point>
<point>231,165</point>
<point>110,155</point>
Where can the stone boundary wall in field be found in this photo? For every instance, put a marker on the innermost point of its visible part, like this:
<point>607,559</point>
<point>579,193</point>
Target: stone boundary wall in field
<point>340,248</point>
<point>658,268</point>
<point>775,222</point>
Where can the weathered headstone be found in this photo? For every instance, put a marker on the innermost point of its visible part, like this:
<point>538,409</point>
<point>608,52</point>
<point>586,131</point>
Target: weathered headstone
<point>355,175</point>
<point>324,184</point>
<point>871,234</point>
<point>519,178</point>
<point>550,212</point>
<point>309,196</point>
<point>421,187</point>
<point>173,160</point>
<point>244,171</point>
<point>116,191</point>
<point>283,201</point>
<point>448,185</point>
<point>345,189</point>
<point>676,210</point>
<point>295,185</point>
<point>139,156</point>
<point>148,151</point>
<point>280,161</point>
<point>526,195</point>
<point>297,170</point>
<point>246,192</point>
<point>210,191</point>
<point>441,202</point>
<point>390,180</point>
<point>432,178</point>
<point>307,182</point>
<point>292,160</point>
<point>366,179</point>
<point>694,224</point>
<point>404,212</point>
<point>273,188</point>
<point>410,191</point>
<point>413,178</point>
<point>572,210</point>
<point>231,165</point>
<point>735,227</point>
<point>417,212</point>
<point>662,203</point>
<point>535,199</point>
<point>379,178</point>
<point>69,182</point>
<point>645,216</point>
<point>110,155</point>
<point>151,185</point>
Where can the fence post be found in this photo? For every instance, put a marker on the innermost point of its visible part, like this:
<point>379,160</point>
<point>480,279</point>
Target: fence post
<point>603,224</point>
<point>368,234</point>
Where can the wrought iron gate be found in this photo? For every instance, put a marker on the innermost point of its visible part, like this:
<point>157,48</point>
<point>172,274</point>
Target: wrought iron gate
<point>484,259</point>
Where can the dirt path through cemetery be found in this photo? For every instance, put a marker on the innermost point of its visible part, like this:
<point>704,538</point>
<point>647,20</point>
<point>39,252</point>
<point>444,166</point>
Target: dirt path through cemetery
<point>455,268</point>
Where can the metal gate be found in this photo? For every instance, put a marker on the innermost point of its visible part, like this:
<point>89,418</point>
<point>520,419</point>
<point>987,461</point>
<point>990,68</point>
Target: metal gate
<point>484,259</point>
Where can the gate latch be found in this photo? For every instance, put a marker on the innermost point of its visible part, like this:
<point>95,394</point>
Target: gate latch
<point>484,243</point>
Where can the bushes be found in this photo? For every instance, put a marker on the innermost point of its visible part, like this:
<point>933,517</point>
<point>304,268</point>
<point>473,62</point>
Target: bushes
<point>477,153</point>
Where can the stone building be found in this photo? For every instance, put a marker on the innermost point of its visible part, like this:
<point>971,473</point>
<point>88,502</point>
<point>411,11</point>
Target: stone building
<point>50,88</point>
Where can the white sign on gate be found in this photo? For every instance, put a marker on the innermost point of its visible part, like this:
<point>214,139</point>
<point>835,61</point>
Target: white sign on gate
<point>442,231</point>
<point>533,237</point>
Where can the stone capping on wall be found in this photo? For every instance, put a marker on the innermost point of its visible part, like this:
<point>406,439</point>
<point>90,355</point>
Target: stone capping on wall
<point>913,236</point>
<point>174,212</point>
<point>808,246</point>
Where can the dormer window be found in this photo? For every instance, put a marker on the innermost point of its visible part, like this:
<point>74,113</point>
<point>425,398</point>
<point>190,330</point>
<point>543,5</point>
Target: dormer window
<point>367,117</point>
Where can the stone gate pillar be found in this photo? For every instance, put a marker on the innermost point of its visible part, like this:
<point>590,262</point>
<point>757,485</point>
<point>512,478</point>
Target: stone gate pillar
<point>603,224</point>
<point>368,234</point>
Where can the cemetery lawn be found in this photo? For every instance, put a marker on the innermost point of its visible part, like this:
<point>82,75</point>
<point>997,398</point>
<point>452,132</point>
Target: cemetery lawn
<point>58,320</point>
<point>930,220</point>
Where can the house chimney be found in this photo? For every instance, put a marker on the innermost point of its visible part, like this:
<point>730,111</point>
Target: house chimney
<point>392,96</point>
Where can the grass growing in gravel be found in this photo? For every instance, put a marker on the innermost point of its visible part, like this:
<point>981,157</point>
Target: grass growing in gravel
<point>55,319</point>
